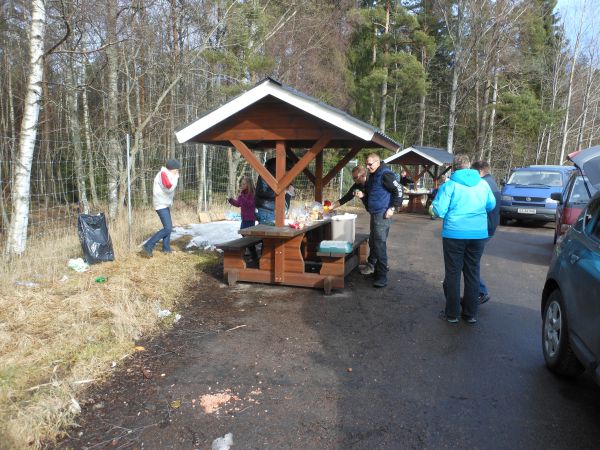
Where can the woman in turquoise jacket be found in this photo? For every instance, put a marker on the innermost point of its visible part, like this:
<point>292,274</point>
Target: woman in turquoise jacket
<point>463,202</point>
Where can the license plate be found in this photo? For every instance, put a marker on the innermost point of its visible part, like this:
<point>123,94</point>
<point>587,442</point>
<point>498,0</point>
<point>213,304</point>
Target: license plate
<point>525,211</point>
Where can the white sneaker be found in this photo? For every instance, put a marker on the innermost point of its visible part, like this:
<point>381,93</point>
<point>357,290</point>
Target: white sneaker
<point>367,269</point>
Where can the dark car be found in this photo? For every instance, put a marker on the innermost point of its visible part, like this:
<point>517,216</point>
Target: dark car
<point>571,202</point>
<point>571,297</point>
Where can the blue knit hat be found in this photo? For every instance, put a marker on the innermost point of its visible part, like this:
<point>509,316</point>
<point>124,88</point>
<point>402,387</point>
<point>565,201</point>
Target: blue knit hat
<point>173,164</point>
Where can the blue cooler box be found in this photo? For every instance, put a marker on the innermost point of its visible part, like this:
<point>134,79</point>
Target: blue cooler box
<point>339,247</point>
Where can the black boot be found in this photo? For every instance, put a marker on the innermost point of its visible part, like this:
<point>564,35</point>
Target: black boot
<point>380,280</point>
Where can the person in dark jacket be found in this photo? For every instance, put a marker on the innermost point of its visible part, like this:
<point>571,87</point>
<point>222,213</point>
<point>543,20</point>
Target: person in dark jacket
<point>493,217</point>
<point>265,196</point>
<point>359,175</point>
<point>384,194</point>
<point>405,180</point>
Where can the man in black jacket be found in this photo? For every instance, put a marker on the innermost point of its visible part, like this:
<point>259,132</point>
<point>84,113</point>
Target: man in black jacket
<point>359,175</point>
<point>493,216</point>
<point>383,194</point>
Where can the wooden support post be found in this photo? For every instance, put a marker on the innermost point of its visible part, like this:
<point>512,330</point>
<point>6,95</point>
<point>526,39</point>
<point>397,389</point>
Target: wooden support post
<point>279,174</point>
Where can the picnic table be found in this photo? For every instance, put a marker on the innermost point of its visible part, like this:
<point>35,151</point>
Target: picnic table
<point>417,202</point>
<point>298,129</point>
<point>291,257</point>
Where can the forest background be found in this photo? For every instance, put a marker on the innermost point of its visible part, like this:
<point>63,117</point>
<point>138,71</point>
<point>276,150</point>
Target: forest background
<point>88,86</point>
<point>498,79</point>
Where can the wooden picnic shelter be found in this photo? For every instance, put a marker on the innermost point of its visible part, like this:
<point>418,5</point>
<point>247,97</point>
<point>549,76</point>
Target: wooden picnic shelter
<point>417,161</point>
<point>299,128</point>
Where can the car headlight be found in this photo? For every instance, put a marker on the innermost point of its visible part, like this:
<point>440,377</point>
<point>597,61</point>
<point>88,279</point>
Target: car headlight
<point>506,198</point>
<point>550,201</point>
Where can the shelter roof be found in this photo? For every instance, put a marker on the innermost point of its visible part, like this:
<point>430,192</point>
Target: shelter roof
<point>424,156</point>
<point>271,111</point>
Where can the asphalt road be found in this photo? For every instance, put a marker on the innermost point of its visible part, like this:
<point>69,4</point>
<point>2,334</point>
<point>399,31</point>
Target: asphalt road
<point>362,368</point>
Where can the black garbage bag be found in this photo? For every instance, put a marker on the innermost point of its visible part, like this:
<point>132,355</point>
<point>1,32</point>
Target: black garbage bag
<point>95,241</point>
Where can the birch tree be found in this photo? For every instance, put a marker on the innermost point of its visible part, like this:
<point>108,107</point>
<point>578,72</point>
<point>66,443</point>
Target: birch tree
<point>565,127</point>
<point>114,149</point>
<point>17,234</point>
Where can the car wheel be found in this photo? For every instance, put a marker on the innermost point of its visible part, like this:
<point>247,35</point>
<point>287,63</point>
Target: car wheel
<point>558,354</point>
<point>503,221</point>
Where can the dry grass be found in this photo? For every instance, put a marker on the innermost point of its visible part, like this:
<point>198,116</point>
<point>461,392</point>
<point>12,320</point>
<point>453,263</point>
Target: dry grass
<point>63,334</point>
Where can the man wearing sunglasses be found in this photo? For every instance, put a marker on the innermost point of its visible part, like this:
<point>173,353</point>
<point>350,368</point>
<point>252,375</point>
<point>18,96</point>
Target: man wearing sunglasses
<point>359,175</point>
<point>384,194</point>
<point>358,190</point>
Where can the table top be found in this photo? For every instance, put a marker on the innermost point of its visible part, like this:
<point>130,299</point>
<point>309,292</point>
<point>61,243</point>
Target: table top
<point>262,230</point>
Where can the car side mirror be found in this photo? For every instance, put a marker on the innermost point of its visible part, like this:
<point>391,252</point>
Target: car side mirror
<point>557,196</point>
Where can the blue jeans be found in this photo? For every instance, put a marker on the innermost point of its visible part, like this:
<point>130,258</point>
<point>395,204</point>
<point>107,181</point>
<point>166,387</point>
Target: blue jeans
<point>380,228</point>
<point>164,234</point>
<point>462,255</point>
<point>483,290</point>
<point>265,216</point>
<point>247,224</point>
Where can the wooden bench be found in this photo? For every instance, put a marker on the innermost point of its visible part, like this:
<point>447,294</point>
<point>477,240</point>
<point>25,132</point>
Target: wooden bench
<point>341,264</point>
<point>233,256</point>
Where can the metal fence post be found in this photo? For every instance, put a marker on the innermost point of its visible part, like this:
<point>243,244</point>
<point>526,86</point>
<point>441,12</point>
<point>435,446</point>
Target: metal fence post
<point>128,193</point>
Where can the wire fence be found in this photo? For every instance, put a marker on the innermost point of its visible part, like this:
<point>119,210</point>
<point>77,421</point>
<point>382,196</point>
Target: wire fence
<point>62,186</point>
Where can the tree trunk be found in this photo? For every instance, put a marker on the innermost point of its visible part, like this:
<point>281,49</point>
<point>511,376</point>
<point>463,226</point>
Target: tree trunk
<point>493,110</point>
<point>593,127</point>
<point>3,213</point>
<point>233,161</point>
<point>88,144</point>
<point>586,106</point>
<point>565,129</point>
<point>452,111</point>
<point>483,128</point>
<point>114,149</point>
<point>76,135</point>
<point>11,106</point>
<point>384,83</point>
<point>422,102</point>
<point>17,233</point>
<point>557,71</point>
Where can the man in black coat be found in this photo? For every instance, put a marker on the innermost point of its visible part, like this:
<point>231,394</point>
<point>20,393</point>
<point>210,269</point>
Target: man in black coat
<point>359,175</point>
<point>493,216</point>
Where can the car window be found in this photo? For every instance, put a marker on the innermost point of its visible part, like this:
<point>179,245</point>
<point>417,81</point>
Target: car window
<point>579,193</point>
<point>536,177</point>
<point>591,218</point>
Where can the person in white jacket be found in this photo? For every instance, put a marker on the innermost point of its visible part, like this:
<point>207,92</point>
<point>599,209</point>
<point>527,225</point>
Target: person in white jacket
<point>163,191</point>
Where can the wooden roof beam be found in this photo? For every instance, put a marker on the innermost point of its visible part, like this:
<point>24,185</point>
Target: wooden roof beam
<point>345,160</point>
<point>291,155</point>
<point>305,160</point>
<point>256,164</point>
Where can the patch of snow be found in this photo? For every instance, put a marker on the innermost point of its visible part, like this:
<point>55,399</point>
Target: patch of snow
<point>207,235</point>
